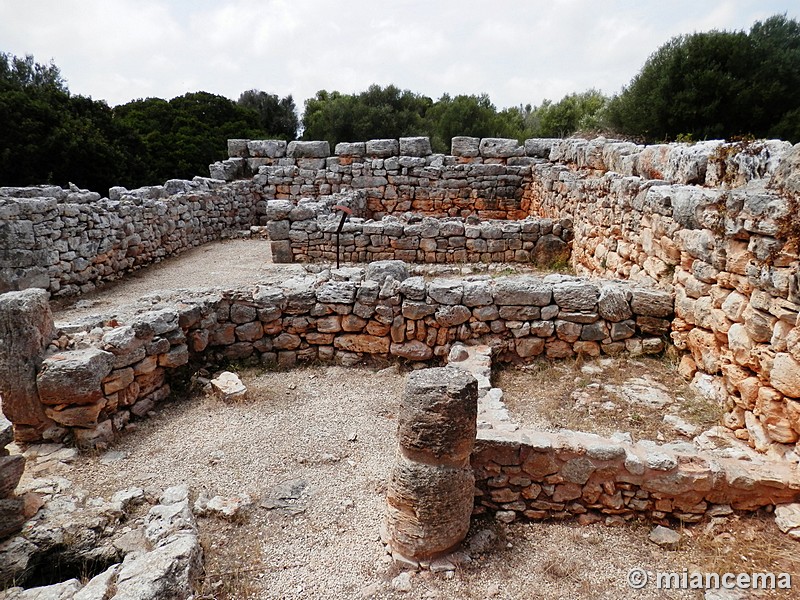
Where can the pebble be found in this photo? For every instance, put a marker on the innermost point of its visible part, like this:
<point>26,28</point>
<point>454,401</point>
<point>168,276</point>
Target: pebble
<point>402,583</point>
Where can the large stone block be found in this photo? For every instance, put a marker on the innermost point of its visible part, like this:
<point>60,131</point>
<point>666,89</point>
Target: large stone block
<point>437,421</point>
<point>266,148</point>
<point>382,148</point>
<point>500,148</point>
<point>318,149</point>
<point>26,328</point>
<point>74,376</point>
<point>415,146</point>
<point>464,146</point>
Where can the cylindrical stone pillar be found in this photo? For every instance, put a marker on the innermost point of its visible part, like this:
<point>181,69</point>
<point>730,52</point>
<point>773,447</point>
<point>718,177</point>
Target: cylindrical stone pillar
<point>26,328</point>
<point>431,489</point>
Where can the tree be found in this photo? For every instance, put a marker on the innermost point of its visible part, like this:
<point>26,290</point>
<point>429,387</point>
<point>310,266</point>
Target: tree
<point>574,112</point>
<point>277,116</point>
<point>179,138</point>
<point>716,84</point>
<point>375,113</point>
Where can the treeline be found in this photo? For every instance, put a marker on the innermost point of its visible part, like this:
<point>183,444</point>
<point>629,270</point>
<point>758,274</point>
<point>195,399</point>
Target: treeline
<point>698,86</point>
<point>48,135</point>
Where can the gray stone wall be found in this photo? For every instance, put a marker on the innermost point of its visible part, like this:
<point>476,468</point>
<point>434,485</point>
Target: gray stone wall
<point>68,242</point>
<point>728,250</point>
<point>539,475</point>
<point>96,378</point>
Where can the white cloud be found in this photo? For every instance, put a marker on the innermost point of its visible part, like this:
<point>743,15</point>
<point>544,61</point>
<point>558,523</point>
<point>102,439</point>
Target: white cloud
<point>518,52</point>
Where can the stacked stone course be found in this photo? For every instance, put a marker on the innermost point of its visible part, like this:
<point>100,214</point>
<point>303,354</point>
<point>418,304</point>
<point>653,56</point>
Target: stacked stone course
<point>539,475</point>
<point>727,249</point>
<point>92,382</point>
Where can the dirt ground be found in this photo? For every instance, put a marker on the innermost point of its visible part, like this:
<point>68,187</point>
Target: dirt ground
<point>330,432</point>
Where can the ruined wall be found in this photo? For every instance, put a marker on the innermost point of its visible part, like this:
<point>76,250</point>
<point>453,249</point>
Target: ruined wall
<point>540,242</point>
<point>486,177</point>
<point>69,241</point>
<point>727,249</point>
<point>96,378</point>
<point>539,475</point>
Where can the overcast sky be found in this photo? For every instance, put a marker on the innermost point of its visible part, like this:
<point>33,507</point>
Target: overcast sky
<point>518,52</point>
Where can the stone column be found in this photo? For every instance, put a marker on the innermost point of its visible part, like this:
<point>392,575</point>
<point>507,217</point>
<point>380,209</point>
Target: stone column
<point>26,328</point>
<point>431,489</point>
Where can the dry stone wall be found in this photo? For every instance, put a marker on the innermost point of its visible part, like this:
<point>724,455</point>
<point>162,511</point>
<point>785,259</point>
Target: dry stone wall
<point>69,241</point>
<point>540,475</point>
<point>719,228</point>
<point>98,375</point>
<point>486,178</point>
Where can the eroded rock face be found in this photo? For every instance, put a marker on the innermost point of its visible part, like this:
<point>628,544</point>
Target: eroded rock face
<point>430,495</point>
<point>26,328</point>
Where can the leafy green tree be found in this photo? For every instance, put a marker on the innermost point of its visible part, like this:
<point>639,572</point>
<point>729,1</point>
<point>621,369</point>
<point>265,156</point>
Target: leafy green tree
<point>179,138</point>
<point>717,84</point>
<point>375,113</point>
<point>574,112</point>
<point>469,115</point>
<point>277,116</point>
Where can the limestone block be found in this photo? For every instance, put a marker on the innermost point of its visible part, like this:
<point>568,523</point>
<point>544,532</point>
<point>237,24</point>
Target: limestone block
<point>576,295</point>
<point>369,344</point>
<point>500,148</point>
<point>381,269</point>
<point>74,376</point>
<point>382,148</point>
<point>428,508</point>
<point>415,146</point>
<point>355,149</point>
<point>26,328</point>
<point>437,417</point>
<point>785,375</point>
<point>228,387</point>
<point>522,291</point>
<point>464,146</point>
<point>337,292</point>
<point>550,250</point>
<point>612,303</point>
<point>266,148</point>
<point>539,147</point>
<point>652,303</point>
<point>317,149</point>
<point>446,292</point>
<point>412,350</point>
<point>238,148</point>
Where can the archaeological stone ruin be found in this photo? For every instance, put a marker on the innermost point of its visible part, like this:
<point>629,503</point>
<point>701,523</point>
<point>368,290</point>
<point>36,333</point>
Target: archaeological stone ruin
<point>689,245</point>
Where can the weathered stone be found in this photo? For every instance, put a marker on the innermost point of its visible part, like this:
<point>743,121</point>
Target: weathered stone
<point>382,148</point>
<point>669,539</point>
<point>467,147</point>
<point>785,375</point>
<point>369,344</point>
<point>413,350</point>
<point>379,270</point>
<point>575,295</point>
<point>316,149</point>
<point>228,387</point>
<point>522,291</point>
<point>26,328</point>
<point>651,303</point>
<point>500,148</point>
<point>612,303</point>
<point>74,376</point>
<point>415,146</point>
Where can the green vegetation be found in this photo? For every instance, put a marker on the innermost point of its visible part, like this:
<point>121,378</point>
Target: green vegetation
<point>717,84</point>
<point>699,86</point>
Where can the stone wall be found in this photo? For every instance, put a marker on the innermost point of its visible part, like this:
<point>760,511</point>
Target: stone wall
<point>69,241</point>
<point>540,242</point>
<point>486,177</point>
<point>727,249</point>
<point>94,379</point>
<point>539,475</point>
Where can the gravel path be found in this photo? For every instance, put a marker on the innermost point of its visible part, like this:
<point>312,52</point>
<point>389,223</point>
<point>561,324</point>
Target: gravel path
<point>333,429</point>
<point>221,264</point>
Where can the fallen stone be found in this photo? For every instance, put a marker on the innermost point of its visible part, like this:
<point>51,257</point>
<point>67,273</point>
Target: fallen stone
<point>228,387</point>
<point>668,539</point>
<point>402,583</point>
<point>228,507</point>
<point>787,517</point>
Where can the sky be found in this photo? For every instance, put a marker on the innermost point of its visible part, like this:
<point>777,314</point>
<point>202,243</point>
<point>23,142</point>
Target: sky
<point>518,52</point>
